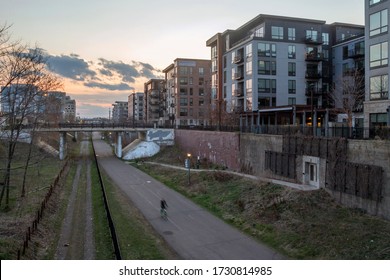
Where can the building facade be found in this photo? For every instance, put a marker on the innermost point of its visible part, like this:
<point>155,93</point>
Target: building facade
<point>377,37</point>
<point>136,107</point>
<point>188,92</point>
<point>154,101</point>
<point>271,64</point>
<point>119,112</point>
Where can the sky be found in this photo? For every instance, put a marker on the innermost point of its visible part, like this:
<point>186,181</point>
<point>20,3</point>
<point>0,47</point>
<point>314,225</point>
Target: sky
<point>105,50</point>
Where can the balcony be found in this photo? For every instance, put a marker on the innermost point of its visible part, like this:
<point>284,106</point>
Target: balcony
<point>313,40</point>
<point>356,54</point>
<point>313,92</point>
<point>313,75</point>
<point>314,57</point>
<point>238,76</point>
<point>238,59</point>
<point>238,92</point>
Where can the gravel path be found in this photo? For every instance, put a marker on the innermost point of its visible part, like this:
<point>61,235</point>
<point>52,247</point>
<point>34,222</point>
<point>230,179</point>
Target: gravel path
<point>76,239</point>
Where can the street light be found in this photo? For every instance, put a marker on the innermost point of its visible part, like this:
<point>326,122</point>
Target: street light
<point>188,166</point>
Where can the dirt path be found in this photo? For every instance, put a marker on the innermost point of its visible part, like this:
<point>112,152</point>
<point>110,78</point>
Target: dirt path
<point>76,240</point>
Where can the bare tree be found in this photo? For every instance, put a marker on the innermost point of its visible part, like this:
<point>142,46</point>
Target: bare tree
<point>25,81</point>
<point>348,94</point>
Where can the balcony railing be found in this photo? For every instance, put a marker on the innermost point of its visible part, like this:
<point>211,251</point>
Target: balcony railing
<point>238,92</point>
<point>358,53</point>
<point>313,75</point>
<point>238,59</point>
<point>313,40</point>
<point>314,57</point>
<point>238,76</point>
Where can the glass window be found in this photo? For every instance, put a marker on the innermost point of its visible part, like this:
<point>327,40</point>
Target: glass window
<point>267,67</point>
<point>268,50</point>
<point>379,55</point>
<point>312,35</point>
<point>248,50</point>
<point>201,71</point>
<point>183,91</point>
<point>277,32</point>
<point>183,112</point>
<point>292,86</point>
<point>266,86</point>
<point>378,23</point>
<point>249,67</point>
<point>291,34</point>
<point>373,2</point>
<point>259,32</point>
<point>183,102</point>
<point>292,101</point>
<point>325,38</point>
<point>292,69</point>
<point>291,52</point>
<point>379,87</point>
<point>248,84</point>
<point>183,70</point>
<point>183,81</point>
<point>201,81</point>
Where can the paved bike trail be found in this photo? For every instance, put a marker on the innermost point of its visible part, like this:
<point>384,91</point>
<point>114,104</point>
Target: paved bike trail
<point>190,230</point>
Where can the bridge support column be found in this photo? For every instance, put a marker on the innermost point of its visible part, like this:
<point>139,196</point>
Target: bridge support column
<point>119,144</point>
<point>62,145</point>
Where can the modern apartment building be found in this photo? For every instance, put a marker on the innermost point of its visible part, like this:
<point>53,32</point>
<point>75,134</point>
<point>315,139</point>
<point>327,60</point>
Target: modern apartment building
<point>136,107</point>
<point>275,69</point>
<point>377,104</point>
<point>119,112</point>
<point>154,101</point>
<point>188,87</point>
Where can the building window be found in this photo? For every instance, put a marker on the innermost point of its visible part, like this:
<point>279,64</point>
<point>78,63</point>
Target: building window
<point>248,50</point>
<point>277,32</point>
<point>183,71</point>
<point>201,102</point>
<point>267,50</point>
<point>201,81</point>
<point>378,120</point>
<point>312,35</point>
<point>292,68</point>
<point>325,38</point>
<point>249,67</point>
<point>201,91</point>
<point>248,85</point>
<point>183,101</point>
<point>379,87</point>
<point>373,2</point>
<point>267,67</point>
<point>378,23</point>
<point>183,81</point>
<point>183,112</point>
<point>291,52</point>
<point>266,86</point>
<point>183,91</point>
<point>292,86</point>
<point>292,101</point>
<point>259,32</point>
<point>201,71</point>
<point>291,34</point>
<point>379,55</point>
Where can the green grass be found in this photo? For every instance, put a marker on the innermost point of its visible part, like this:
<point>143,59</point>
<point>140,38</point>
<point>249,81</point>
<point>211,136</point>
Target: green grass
<point>300,225</point>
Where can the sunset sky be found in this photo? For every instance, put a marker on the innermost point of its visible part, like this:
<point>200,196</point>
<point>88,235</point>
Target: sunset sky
<point>104,50</point>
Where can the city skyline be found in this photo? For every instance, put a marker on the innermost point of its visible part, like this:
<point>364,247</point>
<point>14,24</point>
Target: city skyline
<point>102,56</point>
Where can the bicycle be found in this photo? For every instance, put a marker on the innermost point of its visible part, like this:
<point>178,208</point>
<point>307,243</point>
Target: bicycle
<point>163,213</point>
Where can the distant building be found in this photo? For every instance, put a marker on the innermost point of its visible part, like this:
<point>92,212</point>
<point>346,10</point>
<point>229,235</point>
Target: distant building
<point>188,91</point>
<point>120,112</point>
<point>154,101</point>
<point>136,107</point>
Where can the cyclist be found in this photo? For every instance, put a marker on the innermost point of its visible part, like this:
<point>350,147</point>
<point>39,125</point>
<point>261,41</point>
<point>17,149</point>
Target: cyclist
<point>163,210</point>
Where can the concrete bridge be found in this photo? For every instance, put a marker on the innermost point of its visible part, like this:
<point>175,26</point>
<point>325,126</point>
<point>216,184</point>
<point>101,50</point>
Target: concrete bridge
<point>160,136</point>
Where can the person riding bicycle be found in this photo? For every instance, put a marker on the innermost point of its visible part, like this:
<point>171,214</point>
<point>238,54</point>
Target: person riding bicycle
<point>163,206</point>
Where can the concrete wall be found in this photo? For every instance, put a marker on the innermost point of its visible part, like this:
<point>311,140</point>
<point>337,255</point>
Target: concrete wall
<point>221,148</point>
<point>374,152</point>
<point>246,153</point>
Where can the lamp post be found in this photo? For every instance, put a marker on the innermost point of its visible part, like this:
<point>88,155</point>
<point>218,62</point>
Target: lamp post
<point>188,166</point>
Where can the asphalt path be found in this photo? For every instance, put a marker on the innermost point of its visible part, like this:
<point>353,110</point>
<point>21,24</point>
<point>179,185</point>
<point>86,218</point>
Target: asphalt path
<point>190,230</point>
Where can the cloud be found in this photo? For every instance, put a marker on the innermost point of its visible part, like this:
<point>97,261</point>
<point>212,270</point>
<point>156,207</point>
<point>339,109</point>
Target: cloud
<point>71,66</point>
<point>112,87</point>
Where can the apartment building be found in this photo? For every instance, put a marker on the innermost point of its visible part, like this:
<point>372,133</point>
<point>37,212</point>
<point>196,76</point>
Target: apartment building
<point>377,37</point>
<point>275,69</point>
<point>188,91</point>
<point>155,101</point>
<point>119,112</point>
<point>136,107</point>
